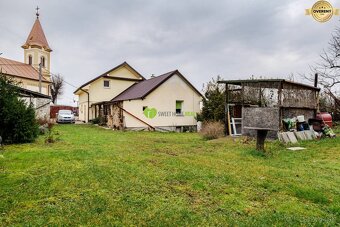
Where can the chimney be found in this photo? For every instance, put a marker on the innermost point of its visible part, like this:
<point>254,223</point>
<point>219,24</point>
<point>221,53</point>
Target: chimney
<point>152,75</point>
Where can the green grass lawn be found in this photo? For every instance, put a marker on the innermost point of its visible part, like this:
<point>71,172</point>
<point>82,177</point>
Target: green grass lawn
<point>98,177</point>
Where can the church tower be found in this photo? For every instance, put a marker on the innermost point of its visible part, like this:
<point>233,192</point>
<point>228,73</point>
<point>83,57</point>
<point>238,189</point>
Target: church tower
<point>37,50</point>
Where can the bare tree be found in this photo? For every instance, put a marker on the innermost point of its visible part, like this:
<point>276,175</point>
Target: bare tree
<point>56,87</point>
<point>328,69</point>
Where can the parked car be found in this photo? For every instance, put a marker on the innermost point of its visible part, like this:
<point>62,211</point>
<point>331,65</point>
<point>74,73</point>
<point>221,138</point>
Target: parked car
<point>65,116</point>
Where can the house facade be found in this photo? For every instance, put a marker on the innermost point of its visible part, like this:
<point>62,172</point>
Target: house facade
<point>168,102</point>
<point>104,88</point>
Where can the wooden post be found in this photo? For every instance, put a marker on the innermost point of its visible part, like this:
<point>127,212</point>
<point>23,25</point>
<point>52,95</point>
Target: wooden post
<point>228,118</point>
<point>40,76</point>
<point>261,137</point>
<point>279,101</point>
<point>226,130</point>
<point>242,94</point>
<point>260,97</point>
<point>316,80</point>
<point>317,94</point>
<point>317,97</point>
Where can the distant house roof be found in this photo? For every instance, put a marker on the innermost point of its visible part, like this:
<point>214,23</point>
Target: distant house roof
<point>19,69</point>
<point>142,89</point>
<point>37,37</point>
<point>104,75</point>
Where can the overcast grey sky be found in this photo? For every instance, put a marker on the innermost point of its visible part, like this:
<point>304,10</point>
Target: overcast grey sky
<point>234,39</point>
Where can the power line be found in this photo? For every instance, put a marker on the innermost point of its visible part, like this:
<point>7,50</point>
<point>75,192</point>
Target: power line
<point>53,74</point>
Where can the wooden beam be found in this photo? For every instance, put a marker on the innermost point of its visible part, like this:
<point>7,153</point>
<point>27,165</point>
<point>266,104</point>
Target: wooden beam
<point>279,101</point>
<point>226,97</point>
<point>153,128</point>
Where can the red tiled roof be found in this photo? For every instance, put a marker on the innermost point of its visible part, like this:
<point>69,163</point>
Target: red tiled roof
<point>37,37</point>
<point>19,69</point>
<point>142,89</point>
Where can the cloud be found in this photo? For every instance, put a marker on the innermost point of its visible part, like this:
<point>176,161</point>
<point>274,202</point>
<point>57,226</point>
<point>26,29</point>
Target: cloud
<point>233,39</point>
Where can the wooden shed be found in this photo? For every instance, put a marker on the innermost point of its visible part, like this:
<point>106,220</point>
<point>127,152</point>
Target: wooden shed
<point>265,102</point>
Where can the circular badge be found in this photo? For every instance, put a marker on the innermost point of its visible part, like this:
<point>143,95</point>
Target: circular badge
<point>322,11</point>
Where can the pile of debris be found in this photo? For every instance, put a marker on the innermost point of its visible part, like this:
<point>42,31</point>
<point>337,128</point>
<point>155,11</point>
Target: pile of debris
<point>298,129</point>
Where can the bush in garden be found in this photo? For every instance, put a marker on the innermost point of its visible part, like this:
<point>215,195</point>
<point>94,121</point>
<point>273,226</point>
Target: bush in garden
<point>52,135</point>
<point>212,130</point>
<point>95,120</point>
<point>17,120</point>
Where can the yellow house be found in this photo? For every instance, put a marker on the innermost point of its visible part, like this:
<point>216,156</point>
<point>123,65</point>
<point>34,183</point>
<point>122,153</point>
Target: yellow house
<point>168,102</point>
<point>104,88</point>
<point>36,54</point>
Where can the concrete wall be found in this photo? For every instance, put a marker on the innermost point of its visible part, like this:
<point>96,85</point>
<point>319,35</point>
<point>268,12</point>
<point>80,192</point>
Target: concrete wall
<point>41,106</point>
<point>163,100</point>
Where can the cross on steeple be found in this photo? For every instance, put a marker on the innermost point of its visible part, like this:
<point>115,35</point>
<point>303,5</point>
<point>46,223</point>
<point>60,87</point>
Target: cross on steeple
<point>37,9</point>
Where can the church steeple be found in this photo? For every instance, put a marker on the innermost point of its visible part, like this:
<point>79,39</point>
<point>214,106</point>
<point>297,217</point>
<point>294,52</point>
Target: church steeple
<point>37,36</point>
<point>36,48</point>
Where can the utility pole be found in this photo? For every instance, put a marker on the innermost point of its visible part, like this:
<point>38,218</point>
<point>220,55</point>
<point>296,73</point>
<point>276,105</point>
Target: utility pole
<point>40,77</point>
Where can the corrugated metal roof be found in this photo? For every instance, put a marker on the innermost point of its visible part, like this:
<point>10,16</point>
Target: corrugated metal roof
<point>141,89</point>
<point>19,69</point>
<point>37,37</point>
<point>269,82</point>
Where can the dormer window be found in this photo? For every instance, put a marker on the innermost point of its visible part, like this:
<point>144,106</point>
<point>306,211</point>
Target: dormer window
<point>106,84</point>
<point>30,60</point>
<point>42,61</point>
